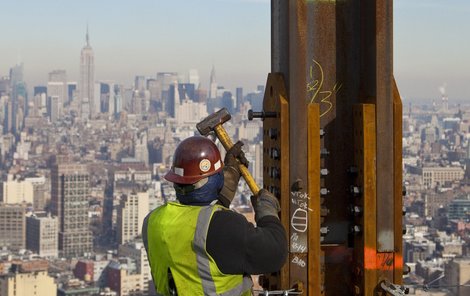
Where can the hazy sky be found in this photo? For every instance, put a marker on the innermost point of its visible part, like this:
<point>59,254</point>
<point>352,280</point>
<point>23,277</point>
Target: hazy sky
<point>142,37</point>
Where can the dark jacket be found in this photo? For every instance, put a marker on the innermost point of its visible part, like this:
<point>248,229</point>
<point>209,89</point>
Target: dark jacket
<point>238,247</point>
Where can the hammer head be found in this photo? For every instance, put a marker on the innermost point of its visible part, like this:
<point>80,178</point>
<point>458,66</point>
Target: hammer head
<point>210,122</point>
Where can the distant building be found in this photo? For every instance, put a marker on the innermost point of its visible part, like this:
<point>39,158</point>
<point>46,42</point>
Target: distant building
<point>140,148</point>
<point>12,226</point>
<point>213,85</point>
<point>193,77</point>
<point>164,81</point>
<point>75,287</point>
<point>433,176</point>
<point>23,190</point>
<point>239,97</point>
<point>459,209</point>
<point>122,278</point>
<point>136,251</point>
<point>92,271</point>
<point>69,202</point>
<point>130,216</point>
<point>42,235</point>
<point>57,94</point>
<point>87,80</point>
<point>31,280</point>
<point>17,190</point>
<point>457,276</point>
<point>189,112</point>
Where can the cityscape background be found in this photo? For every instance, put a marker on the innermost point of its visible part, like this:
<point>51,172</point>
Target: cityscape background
<point>95,97</point>
<point>144,36</point>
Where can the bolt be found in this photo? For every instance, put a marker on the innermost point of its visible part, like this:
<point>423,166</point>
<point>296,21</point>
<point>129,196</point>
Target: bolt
<point>356,229</point>
<point>272,132</point>
<point>322,132</point>
<point>298,185</point>
<point>274,173</point>
<point>274,153</point>
<point>352,171</point>
<point>324,152</point>
<point>357,290</point>
<point>324,211</point>
<point>356,210</point>
<point>355,190</point>
<point>406,269</point>
<point>324,172</point>
<point>324,230</point>
<point>324,191</point>
<point>262,114</point>
<point>274,190</point>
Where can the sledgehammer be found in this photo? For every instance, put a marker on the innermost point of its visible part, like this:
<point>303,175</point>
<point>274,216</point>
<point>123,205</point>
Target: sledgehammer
<point>214,123</point>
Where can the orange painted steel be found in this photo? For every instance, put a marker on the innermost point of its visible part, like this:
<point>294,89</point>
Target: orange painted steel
<point>314,208</point>
<point>365,243</point>
<point>398,179</point>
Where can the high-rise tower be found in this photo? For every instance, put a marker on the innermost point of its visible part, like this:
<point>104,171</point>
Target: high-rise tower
<point>87,76</point>
<point>213,85</point>
<point>69,196</point>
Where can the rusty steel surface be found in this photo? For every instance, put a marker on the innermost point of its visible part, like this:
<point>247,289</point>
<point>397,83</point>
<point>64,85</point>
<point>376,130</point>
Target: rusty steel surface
<point>384,109</point>
<point>338,54</point>
<point>276,158</point>
<point>398,178</point>
<point>297,46</point>
<point>314,261</point>
<point>364,159</point>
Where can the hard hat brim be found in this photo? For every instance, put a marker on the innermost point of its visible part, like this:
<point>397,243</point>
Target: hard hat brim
<point>175,178</point>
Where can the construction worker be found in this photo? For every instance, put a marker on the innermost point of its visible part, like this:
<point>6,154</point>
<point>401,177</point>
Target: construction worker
<point>197,246</point>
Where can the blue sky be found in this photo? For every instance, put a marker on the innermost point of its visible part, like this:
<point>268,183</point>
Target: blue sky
<point>142,37</point>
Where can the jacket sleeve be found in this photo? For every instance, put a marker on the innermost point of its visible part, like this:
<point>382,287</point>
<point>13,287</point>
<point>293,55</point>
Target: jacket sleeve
<point>238,247</point>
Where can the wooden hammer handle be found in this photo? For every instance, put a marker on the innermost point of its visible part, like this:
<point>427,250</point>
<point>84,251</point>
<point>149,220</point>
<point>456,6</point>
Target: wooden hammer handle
<point>227,143</point>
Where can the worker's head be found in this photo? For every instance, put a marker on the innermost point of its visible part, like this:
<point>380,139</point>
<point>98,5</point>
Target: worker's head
<point>196,171</point>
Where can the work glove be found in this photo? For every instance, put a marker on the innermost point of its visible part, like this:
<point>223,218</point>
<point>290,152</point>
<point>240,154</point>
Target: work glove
<point>231,172</point>
<point>265,204</point>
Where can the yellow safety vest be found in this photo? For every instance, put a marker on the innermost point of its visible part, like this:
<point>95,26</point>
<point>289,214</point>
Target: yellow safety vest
<point>176,239</point>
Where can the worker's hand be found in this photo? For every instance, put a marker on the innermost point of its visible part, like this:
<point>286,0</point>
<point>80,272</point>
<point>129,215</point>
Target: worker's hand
<point>231,178</point>
<point>235,156</point>
<point>231,171</point>
<point>265,204</point>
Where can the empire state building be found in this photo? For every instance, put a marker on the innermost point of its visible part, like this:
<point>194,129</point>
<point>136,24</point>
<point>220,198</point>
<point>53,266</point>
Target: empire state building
<point>87,76</point>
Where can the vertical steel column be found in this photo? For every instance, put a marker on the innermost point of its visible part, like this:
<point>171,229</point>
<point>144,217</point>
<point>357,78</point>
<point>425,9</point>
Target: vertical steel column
<point>365,236</point>
<point>276,162</point>
<point>338,53</point>
<point>314,285</point>
<point>398,178</point>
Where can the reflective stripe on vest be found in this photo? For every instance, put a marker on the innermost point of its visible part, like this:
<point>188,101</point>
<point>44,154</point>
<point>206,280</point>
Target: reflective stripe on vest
<point>175,237</point>
<point>203,263</point>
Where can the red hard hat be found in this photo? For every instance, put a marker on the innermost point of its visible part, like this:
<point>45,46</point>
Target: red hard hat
<point>195,158</point>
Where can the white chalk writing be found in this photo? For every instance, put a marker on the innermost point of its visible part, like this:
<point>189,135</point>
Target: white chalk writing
<point>298,261</point>
<point>299,220</point>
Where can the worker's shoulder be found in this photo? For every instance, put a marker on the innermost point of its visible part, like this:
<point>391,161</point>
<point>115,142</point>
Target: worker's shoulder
<point>229,216</point>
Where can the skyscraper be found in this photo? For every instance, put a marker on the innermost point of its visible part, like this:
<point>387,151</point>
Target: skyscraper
<point>87,76</point>
<point>41,234</point>
<point>12,226</point>
<point>130,215</point>
<point>69,196</point>
<point>56,93</point>
<point>213,85</point>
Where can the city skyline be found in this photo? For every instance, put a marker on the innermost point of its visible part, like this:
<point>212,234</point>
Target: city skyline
<point>145,37</point>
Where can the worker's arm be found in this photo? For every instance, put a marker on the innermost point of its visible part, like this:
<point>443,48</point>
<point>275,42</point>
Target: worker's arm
<point>238,247</point>
<point>231,171</point>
